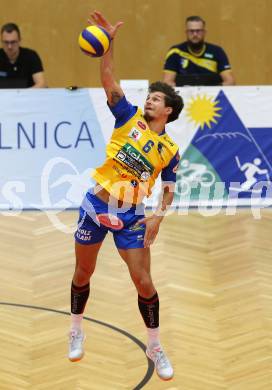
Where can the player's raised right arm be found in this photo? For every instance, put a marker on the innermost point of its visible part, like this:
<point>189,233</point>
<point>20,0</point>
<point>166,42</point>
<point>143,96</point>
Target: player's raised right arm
<point>112,88</point>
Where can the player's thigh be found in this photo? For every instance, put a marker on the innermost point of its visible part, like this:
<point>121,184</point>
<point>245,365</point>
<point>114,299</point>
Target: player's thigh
<point>137,260</point>
<point>86,255</point>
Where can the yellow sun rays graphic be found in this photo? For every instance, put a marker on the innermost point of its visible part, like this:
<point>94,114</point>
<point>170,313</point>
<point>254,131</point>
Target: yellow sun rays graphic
<point>203,111</point>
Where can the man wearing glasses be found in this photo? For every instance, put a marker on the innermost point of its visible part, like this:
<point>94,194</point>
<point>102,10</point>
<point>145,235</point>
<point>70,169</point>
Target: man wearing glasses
<point>19,67</point>
<point>196,62</point>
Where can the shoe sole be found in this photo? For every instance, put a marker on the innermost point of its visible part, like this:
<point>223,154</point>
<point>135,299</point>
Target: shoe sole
<point>76,359</point>
<point>165,379</point>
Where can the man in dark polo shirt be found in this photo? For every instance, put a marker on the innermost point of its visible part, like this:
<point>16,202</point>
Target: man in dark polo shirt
<point>196,62</point>
<point>19,67</point>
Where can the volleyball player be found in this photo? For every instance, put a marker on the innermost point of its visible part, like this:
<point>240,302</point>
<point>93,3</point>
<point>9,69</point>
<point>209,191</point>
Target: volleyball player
<point>138,151</point>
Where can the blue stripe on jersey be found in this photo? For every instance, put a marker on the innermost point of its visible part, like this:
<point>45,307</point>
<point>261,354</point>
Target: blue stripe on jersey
<point>99,49</point>
<point>122,111</point>
<point>169,173</point>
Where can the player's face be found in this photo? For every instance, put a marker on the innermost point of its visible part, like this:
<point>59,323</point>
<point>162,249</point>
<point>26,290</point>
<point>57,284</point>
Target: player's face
<point>155,108</point>
<point>11,44</point>
<point>195,32</point>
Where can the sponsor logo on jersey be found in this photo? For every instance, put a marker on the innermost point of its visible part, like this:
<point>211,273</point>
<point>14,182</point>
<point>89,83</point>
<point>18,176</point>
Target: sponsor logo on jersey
<point>83,234</point>
<point>141,125</point>
<point>145,176</point>
<point>121,155</point>
<point>160,147</point>
<point>184,62</point>
<point>119,171</point>
<point>110,221</point>
<point>134,183</point>
<point>208,55</point>
<point>133,161</point>
<point>135,228</point>
<point>168,140</point>
<point>135,134</point>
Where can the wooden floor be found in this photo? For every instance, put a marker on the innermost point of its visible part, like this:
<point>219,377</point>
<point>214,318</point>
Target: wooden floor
<point>214,278</point>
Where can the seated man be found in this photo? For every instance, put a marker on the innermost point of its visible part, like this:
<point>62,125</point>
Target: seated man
<point>196,62</point>
<point>19,67</point>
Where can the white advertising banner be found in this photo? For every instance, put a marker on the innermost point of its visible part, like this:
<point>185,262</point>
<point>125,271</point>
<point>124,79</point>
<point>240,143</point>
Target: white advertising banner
<point>50,139</point>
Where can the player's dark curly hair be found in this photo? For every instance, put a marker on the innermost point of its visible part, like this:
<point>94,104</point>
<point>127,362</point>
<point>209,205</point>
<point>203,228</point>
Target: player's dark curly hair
<point>172,98</point>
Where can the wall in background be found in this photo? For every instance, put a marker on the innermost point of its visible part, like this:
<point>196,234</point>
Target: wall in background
<point>242,27</point>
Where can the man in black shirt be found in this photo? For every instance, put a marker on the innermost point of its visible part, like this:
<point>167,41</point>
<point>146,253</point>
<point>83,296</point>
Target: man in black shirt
<point>19,67</point>
<point>196,62</point>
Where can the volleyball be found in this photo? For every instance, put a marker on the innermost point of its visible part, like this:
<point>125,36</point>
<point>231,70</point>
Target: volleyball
<point>94,41</point>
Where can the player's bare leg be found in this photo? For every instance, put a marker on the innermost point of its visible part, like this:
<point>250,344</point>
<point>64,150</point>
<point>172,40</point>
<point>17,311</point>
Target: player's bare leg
<point>138,262</point>
<point>86,256</point>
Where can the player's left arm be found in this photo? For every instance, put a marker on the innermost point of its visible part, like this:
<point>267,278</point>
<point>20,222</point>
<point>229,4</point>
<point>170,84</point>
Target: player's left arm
<point>167,195</point>
<point>153,221</point>
<point>168,177</point>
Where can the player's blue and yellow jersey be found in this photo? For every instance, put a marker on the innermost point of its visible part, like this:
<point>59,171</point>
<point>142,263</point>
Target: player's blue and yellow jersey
<point>135,156</point>
<point>212,59</point>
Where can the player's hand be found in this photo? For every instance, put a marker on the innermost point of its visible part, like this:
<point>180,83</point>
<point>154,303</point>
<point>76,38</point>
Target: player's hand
<point>98,19</point>
<point>152,224</point>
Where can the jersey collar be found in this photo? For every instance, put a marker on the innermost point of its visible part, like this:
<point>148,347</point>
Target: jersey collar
<point>196,54</point>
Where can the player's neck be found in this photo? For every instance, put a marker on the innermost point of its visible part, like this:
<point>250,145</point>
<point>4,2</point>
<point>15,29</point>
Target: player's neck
<point>156,126</point>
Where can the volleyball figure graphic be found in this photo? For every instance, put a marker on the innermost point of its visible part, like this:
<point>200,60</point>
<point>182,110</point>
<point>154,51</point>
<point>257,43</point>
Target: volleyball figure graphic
<point>94,41</point>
